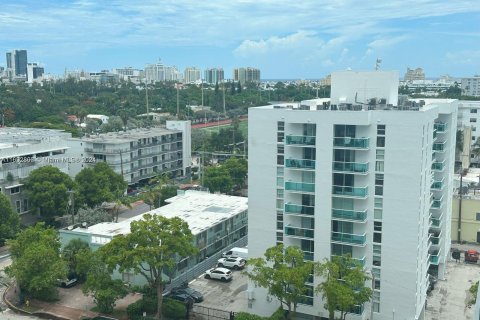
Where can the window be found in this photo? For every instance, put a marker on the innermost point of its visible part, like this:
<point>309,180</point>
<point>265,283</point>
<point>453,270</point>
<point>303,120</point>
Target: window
<point>280,236</point>
<point>18,206</point>
<point>376,307</point>
<point>377,284</point>
<point>381,129</point>
<point>379,190</point>
<point>478,216</point>
<point>379,166</point>
<point>279,193</point>
<point>377,226</point>
<point>378,202</point>
<point>377,237</point>
<point>280,149</point>
<point>377,261</point>
<point>281,126</point>
<point>380,154</point>
<point>280,171</point>
<point>381,142</point>
<point>14,190</point>
<point>377,213</point>
<point>280,160</point>
<point>25,204</point>
<point>473,110</point>
<point>473,120</point>
<point>280,137</point>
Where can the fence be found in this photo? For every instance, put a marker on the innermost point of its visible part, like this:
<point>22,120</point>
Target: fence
<point>205,313</point>
<point>206,264</point>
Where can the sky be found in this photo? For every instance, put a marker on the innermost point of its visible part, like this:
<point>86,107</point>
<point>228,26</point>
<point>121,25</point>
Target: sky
<point>303,39</point>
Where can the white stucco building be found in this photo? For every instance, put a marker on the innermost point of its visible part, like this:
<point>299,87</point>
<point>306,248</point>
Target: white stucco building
<point>469,116</point>
<point>362,175</point>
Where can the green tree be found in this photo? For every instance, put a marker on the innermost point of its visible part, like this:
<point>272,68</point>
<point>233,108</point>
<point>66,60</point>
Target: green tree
<point>154,246</point>
<point>283,272</point>
<point>237,169</point>
<point>344,285</point>
<point>47,189</point>
<point>70,253</point>
<point>36,263</point>
<point>99,184</point>
<point>217,178</point>
<point>9,220</point>
<point>92,216</point>
<point>100,285</point>
<point>119,203</point>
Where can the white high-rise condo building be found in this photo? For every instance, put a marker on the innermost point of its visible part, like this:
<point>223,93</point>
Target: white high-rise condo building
<point>362,174</point>
<point>191,75</point>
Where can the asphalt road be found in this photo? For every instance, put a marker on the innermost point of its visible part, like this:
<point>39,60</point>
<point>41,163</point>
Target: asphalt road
<point>135,211</point>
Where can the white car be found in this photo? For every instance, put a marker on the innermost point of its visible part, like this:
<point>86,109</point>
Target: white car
<point>235,263</point>
<point>219,274</point>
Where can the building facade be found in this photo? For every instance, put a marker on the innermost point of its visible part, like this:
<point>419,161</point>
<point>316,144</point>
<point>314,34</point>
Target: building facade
<point>159,72</point>
<point>361,175</point>
<point>214,75</point>
<point>414,74</point>
<point>471,86</point>
<point>247,74</point>
<point>469,117</point>
<point>23,150</point>
<point>217,222</point>
<point>141,154</point>
<point>17,62</point>
<point>192,75</point>
<point>34,72</point>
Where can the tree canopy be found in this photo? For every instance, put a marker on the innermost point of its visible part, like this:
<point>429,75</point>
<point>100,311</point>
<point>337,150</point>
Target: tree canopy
<point>283,272</point>
<point>343,287</point>
<point>151,249</point>
<point>217,179</point>
<point>36,263</point>
<point>9,220</point>
<point>99,184</point>
<point>47,189</point>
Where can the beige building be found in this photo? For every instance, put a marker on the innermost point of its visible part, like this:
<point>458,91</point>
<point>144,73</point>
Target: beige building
<point>470,220</point>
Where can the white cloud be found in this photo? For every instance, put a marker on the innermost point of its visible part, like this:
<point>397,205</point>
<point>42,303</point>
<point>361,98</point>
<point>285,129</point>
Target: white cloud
<point>464,57</point>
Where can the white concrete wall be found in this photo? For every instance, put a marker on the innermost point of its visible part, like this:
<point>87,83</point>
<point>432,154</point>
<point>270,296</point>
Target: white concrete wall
<point>186,128</point>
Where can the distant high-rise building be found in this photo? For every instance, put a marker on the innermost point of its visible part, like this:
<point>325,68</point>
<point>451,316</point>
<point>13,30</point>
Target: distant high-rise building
<point>34,72</point>
<point>471,86</point>
<point>246,75</point>
<point>17,62</point>
<point>416,74</point>
<point>214,75</point>
<point>159,72</point>
<point>191,75</point>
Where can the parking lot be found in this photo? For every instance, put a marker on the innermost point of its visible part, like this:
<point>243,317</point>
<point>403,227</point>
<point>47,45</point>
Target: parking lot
<point>449,298</point>
<point>228,296</point>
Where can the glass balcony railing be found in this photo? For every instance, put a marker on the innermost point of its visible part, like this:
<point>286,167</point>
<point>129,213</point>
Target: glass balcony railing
<point>357,261</point>
<point>358,192</point>
<point>308,255</point>
<point>349,214</point>
<point>437,166</point>
<point>355,239</point>
<point>437,185</point>
<point>347,142</point>
<point>435,240</point>
<point>358,310</point>
<point>440,147</point>
<point>435,222</point>
<point>300,163</point>
<point>299,232</point>
<point>437,204</point>
<point>300,186</point>
<point>300,140</point>
<point>434,259</point>
<point>291,208</point>
<point>356,167</point>
<point>440,127</point>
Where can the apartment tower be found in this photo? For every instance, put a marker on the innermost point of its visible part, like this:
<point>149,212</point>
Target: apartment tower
<point>362,173</point>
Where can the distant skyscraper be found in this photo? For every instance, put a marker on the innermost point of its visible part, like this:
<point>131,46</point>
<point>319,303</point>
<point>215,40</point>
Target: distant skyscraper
<point>191,75</point>
<point>246,75</point>
<point>214,75</point>
<point>17,62</point>
<point>158,72</point>
<point>416,74</point>
<point>34,72</point>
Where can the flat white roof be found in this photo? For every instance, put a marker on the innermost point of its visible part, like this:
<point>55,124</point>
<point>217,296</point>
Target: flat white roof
<point>201,210</point>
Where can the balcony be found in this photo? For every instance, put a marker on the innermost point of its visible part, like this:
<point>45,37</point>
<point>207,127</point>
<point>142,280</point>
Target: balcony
<point>437,185</point>
<point>299,232</point>
<point>291,208</point>
<point>439,147</point>
<point>350,239</point>
<point>351,215</point>
<point>438,166</point>
<point>351,143</point>
<point>300,140</point>
<point>300,186</point>
<point>351,167</point>
<point>351,192</point>
<point>357,261</point>
<point>437,203</point>
<point>435,238</point>
<point>434,258</point>
<point>440,127</point>
<point>435,222</point>
<point>300,163</point>
<point>358,310</point>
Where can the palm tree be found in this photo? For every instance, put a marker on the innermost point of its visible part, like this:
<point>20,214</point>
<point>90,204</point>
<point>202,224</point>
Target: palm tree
<point>123,201</point>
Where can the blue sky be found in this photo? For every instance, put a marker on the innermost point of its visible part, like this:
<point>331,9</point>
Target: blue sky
<point>286,39</point>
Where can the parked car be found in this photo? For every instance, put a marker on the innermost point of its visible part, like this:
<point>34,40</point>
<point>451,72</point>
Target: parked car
<point>185,298</point>
<point>235,263</point>
<point>194,294</point>
<point>219,274</point>
<point>67,283</point>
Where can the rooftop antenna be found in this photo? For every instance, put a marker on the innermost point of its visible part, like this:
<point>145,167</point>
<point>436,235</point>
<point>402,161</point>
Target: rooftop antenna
<point>377,64</point>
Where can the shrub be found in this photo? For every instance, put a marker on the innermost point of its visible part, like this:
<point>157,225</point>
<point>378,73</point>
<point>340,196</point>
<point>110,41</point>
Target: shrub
<point>135,310</point>
<point>174,309</point>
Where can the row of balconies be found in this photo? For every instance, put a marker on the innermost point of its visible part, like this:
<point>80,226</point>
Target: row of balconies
<point>338,142</point>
